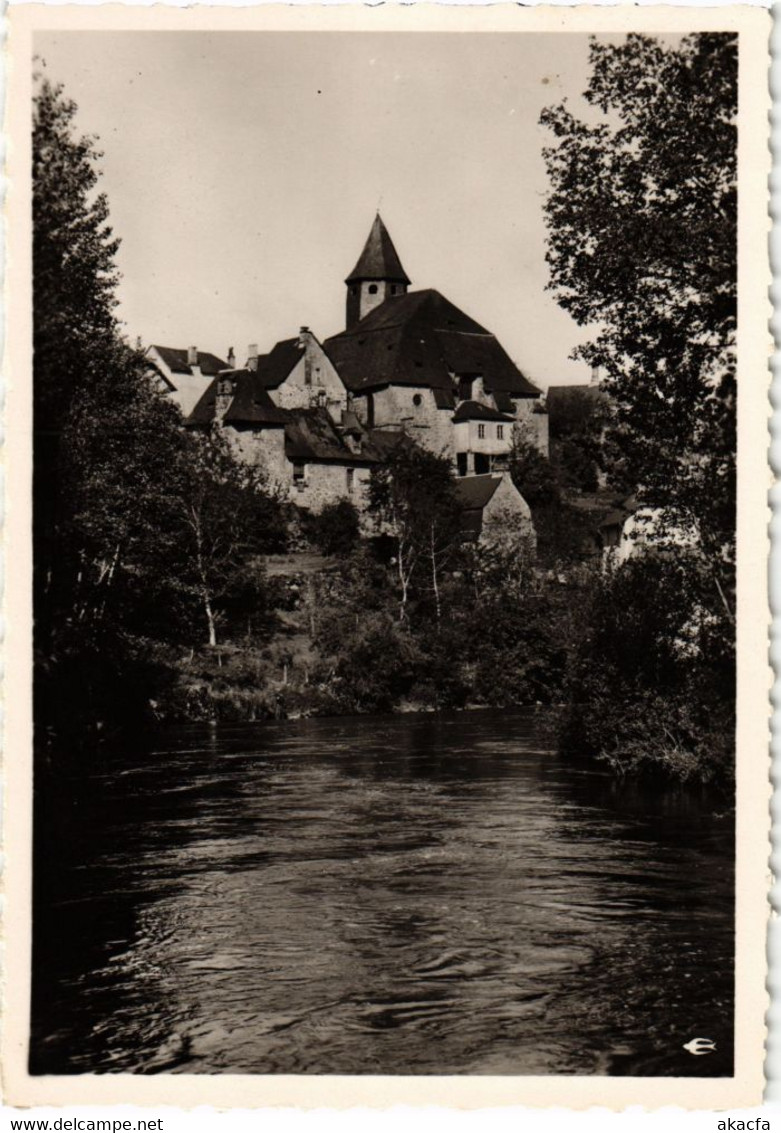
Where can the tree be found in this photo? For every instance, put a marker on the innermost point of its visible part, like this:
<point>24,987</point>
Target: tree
<point>412,495</point>
<point>228,517</point>
<point>642,245</point>
<point>74,326</point>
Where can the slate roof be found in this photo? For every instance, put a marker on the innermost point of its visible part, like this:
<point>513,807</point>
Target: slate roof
<point>311,435</point>
<point>474,492</point>
<point>176,360</point>
<point>251,405</point>
<point>476,411</point>
<point>275,367</point>
<point>421,339</point>
<point>472,495</point>
<point>379,259</point>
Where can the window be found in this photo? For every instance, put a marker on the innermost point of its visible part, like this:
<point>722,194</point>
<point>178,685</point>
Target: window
<point>372,288</point>
<point>417,400</point>
<point>394,289</point>
<point>481,432</point>
<point>307,376</point>
<point>299,472</point>
<point>500,432</point>
<point>370,410</point>
<point>350,479</point>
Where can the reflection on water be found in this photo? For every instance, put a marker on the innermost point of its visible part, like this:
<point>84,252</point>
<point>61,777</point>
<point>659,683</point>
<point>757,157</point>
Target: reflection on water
<point>396,895</point>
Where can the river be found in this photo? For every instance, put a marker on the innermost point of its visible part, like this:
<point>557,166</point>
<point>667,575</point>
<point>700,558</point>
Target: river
<point>395,895</point>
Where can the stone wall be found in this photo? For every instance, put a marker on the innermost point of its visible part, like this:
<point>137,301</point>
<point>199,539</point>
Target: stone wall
<point>364,295</point>
<point>507,519</point>
<point>264,447</point>
<point>324,484</point>
<point>312,382</point>
<point>413,409</point>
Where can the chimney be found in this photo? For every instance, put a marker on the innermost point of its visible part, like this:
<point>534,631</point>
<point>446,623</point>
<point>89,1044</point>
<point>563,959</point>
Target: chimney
<point>231,359</point>
<point>192,356</point>
<point>252,356</point>
<point>596,377</point>
<point>305,343</point>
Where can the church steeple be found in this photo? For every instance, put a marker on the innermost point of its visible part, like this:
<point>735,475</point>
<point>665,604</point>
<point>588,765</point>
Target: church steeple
<point>377,276</point>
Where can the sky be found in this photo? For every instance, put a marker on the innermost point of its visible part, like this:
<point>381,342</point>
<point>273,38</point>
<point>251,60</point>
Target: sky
<point>244,170</point>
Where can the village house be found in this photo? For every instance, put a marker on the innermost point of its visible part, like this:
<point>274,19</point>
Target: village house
<point>318,416</point>
<point>288,412</point>
<point>494,511</point>
<point>184,374</point>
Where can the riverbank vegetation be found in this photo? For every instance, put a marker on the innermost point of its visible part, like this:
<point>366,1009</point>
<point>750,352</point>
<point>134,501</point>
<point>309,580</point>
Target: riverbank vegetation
<point>173,584</point>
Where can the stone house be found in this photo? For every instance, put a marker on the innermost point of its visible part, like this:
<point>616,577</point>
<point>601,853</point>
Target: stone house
<point>299,375</point>
<point>409,364</point>
<point>287,411</point>
<point>184,374</point>
<point>494,512</point>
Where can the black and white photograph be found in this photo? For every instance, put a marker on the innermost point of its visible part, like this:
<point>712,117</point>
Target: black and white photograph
<point>384,391</point>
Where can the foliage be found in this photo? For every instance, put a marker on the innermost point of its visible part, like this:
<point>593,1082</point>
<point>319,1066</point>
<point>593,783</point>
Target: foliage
<point>103,444</point>
<point>370,662</point>
<point>563,533</point>
<point>650,669</point>
<point>135,523</point>
<point>73,259</point>
<point>336,529</point>
<point>532,474</point>
<point>642,244</point>
<point>227,516</point>
<point>578,419</point>
<point>412,495</point>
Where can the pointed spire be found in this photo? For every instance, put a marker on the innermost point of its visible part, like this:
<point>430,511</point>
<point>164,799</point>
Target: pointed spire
<point>379,259</point>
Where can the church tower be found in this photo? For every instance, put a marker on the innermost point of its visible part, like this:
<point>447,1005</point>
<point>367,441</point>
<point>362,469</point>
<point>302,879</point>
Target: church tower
<point>377,276</point>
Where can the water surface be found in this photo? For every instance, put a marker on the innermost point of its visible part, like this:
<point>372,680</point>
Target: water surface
<point>396,895</point>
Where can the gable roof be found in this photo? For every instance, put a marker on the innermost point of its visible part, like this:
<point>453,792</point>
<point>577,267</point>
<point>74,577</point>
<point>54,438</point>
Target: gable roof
<point>476,411</point>
<point>251,405</point>
<point>474,492</point>
<point>422,339</point>
<point>176,360</point>
<point>276,366</point>
<point>379,259</point>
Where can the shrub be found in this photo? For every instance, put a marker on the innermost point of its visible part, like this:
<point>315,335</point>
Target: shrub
<point>336,529</point>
